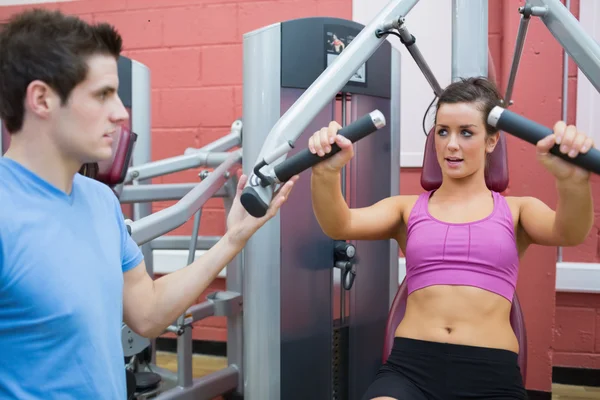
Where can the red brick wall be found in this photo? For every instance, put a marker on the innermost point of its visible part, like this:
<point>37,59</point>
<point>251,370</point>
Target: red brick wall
<point>193,48</point>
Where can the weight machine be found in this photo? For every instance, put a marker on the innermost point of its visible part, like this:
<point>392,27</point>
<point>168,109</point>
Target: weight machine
<point>287,311</point>
<point>315,311</point>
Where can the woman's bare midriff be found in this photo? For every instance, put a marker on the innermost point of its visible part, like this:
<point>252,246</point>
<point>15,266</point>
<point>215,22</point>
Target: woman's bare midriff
<point>459,315</point>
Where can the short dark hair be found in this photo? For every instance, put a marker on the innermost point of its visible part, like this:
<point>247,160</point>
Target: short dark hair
<point>50,46</point>
<point>478,90</point>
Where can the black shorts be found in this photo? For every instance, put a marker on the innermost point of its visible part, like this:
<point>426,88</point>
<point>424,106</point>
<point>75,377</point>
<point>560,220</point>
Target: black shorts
<point>422,370</point>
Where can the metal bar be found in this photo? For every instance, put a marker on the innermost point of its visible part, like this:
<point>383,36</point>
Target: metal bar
<point>200,311</point>
<point>175,164</point>
<point>182,242</point>
<point>297,118</point>
<point>565,104</point>
<point>335,271</point>
<point>166,220</point>
<point>223,143</point>
<point>395,132</point>
<point>567,30</point>
<point>206,388</point>
<point>235,327</point>
<point>158,192</point>
<point>469,38</point>
<point>521,35</point>
<point>193,243</point>
<point>185,367</point>
<point>141,121</point>
<point>409,41</point>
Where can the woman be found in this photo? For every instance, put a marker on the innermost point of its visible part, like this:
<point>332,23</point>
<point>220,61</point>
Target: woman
<point>462,244</point>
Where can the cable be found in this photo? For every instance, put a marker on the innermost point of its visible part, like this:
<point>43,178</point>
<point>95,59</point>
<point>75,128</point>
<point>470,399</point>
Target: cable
<point>379,33</point>
<point>425,115</point>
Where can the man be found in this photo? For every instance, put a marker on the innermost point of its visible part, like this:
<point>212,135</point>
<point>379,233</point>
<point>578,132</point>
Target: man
<point>69,271</point>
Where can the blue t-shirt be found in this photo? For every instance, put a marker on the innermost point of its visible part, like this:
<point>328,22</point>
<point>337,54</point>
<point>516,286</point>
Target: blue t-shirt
<point>62,259</point>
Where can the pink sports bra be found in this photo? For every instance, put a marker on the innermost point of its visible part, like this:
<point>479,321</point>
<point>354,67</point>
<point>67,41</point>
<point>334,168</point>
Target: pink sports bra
<point>482,253</point>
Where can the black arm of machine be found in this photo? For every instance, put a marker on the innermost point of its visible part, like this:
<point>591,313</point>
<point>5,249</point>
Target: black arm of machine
<point>304,159</point>
<point>533,132</point>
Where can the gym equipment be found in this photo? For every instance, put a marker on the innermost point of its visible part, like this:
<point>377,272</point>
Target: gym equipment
<point>278,283</point>
<point>309,337</point>
<point>303,160</point>
<point>129,173</point>
<point>533,132</point>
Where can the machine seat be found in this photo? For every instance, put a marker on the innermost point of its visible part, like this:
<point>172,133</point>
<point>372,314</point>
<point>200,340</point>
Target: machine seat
<point>114,170</point>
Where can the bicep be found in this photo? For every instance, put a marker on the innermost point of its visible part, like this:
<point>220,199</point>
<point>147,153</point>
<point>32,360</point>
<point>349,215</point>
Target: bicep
<point>379,221</point>
<point>537,220</point>
<point>137,290</point>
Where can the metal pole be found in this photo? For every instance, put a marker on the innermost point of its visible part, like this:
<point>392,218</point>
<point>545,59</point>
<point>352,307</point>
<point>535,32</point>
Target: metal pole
<point>469,38</point>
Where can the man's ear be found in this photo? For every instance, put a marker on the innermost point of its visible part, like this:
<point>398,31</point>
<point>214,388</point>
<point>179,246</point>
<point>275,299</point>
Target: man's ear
<point>40,99</point>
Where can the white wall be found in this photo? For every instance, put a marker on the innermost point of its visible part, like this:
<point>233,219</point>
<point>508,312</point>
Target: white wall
<point>588,98</point>
<point>430,21</point>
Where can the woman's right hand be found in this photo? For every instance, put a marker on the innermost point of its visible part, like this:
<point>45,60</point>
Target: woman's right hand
<point>320,143</point>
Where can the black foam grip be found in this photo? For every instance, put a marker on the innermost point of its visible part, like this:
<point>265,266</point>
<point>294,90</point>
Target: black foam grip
<point>305,159</point>
<point>533,132</point>
<point>252,202</point>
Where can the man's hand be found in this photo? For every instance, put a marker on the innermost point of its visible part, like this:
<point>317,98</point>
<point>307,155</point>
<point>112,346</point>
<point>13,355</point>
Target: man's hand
<point>241,225</point>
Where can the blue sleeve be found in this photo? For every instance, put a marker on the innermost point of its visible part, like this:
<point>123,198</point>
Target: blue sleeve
<point>131,255</point>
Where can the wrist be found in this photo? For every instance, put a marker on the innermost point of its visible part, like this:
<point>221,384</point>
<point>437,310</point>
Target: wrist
<point>324,172</point>
<point>573,183</point>
<point>233,239</point>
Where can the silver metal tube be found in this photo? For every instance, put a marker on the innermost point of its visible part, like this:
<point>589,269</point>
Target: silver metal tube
<point>223,143</point>
<point>521,35</point>
<point>414,51</point>
<point>297,118</point>
<point>158,192</point>
<point>200,311</point>
<point>175,164</point>
<point>182,242</point>
<point>469,38</point>
<point>206,388</point>
<point>185,367</point>
<point>565,105</point>
<point>166,220</point>
<point>567,30</point>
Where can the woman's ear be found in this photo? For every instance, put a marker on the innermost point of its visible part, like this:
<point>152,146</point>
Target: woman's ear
<point>491,142</point>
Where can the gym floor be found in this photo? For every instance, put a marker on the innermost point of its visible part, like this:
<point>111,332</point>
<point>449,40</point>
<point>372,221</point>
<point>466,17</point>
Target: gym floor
<point>206,364</point>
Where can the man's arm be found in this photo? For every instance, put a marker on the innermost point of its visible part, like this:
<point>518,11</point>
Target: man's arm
<point>150,306</point>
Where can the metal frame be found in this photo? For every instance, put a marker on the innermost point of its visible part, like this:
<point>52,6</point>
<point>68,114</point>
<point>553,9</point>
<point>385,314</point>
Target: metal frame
<point>467,60</point>
<point>229,303</point>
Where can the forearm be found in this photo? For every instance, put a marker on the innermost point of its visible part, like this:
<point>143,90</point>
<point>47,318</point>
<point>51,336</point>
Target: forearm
<point>574,211</point>
<point>329,205</point>
<point>174,293</point>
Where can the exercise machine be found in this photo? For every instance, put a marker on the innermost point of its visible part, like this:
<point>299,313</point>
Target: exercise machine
<point>282,330</point>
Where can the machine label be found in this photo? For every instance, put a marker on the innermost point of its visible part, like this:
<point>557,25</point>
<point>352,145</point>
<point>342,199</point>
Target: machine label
<point>337,38</point>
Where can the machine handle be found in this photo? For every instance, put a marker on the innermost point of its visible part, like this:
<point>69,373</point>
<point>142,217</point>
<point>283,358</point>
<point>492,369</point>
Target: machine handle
<point>304,159</point>
<point>533,132</point>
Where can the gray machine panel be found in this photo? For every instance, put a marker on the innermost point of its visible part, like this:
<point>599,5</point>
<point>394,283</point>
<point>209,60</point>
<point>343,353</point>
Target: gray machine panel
<point>125,87</point>
<point>369,301</point>
<point>307,49</point>
<point>306,283</point>
<point>262,254</point>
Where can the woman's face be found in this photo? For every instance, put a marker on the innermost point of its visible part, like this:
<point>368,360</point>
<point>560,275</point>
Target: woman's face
<point>461,140</point>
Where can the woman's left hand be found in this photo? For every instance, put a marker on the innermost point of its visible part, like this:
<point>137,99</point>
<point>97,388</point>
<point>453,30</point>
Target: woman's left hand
<point>571,142</point>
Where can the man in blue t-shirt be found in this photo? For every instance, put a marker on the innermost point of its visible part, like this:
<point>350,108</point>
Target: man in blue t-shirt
<point>69,271</point>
